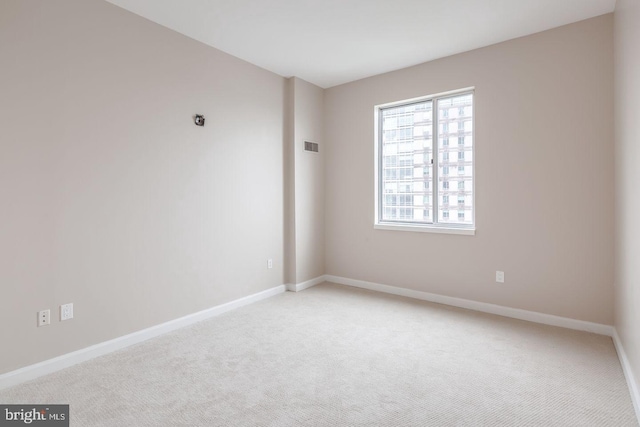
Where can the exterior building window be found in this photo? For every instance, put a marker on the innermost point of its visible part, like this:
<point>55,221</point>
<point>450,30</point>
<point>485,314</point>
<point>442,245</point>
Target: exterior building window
<point>412,150</point>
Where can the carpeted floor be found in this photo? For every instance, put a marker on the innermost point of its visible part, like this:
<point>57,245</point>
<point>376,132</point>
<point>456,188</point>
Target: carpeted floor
<point>339,356</point>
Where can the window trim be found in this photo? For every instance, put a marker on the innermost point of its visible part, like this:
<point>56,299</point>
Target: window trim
<point>448,228</point>
<point>427,228</point>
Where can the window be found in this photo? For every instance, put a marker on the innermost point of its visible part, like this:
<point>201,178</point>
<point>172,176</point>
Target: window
<point>412,149</point>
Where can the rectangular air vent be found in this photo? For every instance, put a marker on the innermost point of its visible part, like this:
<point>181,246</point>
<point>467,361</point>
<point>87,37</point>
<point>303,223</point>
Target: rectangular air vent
<point>311,146</point>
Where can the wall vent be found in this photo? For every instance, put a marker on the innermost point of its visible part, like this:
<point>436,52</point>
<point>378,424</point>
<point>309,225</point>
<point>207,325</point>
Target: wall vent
<point>311,146</point>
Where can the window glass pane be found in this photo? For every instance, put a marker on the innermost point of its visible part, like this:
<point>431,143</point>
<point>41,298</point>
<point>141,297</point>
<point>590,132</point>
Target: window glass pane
<point>406,164</point>
<point>455,122</point>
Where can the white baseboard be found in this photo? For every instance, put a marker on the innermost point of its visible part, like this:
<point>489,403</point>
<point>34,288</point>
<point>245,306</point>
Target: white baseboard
<point>531,316</point>
<point>628,373</point>
<point>61,362</point>
<point>305,285</point>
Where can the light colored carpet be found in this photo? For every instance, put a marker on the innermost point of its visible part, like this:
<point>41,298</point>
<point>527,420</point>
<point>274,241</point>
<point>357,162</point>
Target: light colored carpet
<point>339,356</point>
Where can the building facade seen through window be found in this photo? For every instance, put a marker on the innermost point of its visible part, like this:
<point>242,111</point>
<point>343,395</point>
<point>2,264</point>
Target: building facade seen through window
<point>415,157</point>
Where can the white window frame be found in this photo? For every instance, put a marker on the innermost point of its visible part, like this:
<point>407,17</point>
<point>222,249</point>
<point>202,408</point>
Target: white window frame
<point>435,226</point>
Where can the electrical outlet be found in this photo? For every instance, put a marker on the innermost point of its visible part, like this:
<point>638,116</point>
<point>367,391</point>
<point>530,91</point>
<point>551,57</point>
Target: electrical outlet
<point>44,317</point>
<point>500,276</point>
<point>270,263</point>
<point>66,311</point>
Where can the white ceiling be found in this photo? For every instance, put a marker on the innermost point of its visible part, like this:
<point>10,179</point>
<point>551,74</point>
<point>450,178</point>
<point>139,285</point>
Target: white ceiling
<point>330,42</point>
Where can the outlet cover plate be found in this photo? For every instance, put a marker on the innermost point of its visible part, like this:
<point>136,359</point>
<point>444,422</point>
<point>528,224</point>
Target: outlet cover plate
<point>500,276</point>
<point>66,311</point>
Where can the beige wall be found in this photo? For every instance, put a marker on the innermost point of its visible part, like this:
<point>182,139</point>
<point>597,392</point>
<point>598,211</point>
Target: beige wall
<point>289,184</point>
<point>307,110</point>
<point>627,113</point>
<point>544,177</point>
<point>111,197</point>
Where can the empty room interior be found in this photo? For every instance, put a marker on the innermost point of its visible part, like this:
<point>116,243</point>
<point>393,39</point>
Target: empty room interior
<point>320,213</point>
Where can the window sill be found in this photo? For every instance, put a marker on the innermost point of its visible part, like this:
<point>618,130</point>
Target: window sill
<point>425,229</point>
